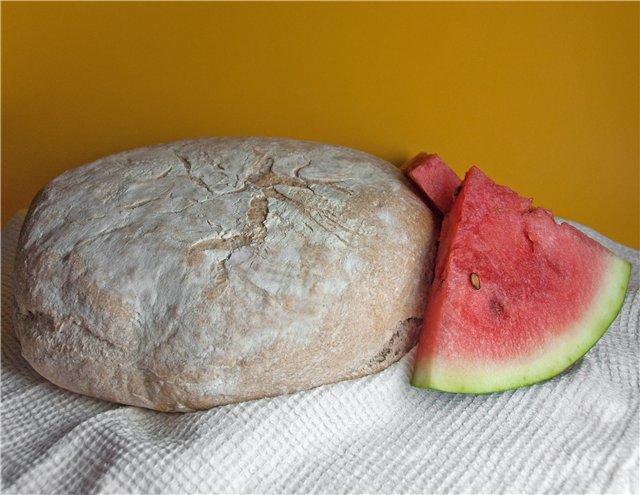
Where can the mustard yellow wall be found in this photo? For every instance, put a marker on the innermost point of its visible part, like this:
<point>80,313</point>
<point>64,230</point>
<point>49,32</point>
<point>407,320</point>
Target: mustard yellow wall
<point>543,96</point>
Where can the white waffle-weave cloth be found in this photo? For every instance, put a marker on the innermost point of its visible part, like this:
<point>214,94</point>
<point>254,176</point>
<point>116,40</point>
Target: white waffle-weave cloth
<point>575,433</point>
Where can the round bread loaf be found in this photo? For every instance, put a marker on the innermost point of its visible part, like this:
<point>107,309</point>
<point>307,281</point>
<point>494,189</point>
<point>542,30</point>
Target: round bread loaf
<point>198,273</point>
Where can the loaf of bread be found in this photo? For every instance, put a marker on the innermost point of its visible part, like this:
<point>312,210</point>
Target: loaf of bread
<point>198,273</point>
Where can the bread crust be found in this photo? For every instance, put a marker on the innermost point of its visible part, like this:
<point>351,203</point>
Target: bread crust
<point>198,273</point>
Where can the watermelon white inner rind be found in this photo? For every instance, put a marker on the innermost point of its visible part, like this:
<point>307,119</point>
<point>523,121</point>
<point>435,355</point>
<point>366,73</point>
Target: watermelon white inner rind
<point>554,355</point>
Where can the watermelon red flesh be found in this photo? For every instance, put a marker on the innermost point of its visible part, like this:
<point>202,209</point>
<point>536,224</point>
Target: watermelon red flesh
<point>435,178</point>
<point>516,298</point>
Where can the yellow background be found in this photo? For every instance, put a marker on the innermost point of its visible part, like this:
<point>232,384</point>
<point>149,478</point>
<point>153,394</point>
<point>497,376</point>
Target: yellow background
<point>544,97</point>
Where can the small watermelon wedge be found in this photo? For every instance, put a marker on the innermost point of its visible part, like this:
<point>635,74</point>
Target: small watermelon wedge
<point>516,297</point>
<point>435,178</point>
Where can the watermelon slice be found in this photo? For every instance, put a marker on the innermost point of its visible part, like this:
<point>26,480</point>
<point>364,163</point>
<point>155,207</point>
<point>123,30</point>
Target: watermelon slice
<point>516,298</point>
<point>435,178</point>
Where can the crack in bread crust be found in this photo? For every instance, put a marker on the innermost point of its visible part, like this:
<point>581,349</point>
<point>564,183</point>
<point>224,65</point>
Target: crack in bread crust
<point>263,182</point>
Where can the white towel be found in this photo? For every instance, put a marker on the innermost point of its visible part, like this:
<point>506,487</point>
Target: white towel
<point>575,433</point>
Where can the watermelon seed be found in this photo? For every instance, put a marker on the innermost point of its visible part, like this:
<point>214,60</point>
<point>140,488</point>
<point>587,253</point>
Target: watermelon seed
<point>457,191</point>
<point>475,281</point>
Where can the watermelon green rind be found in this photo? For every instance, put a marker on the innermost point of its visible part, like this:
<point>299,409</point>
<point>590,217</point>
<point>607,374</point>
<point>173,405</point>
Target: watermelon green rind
<point>556,355</point>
